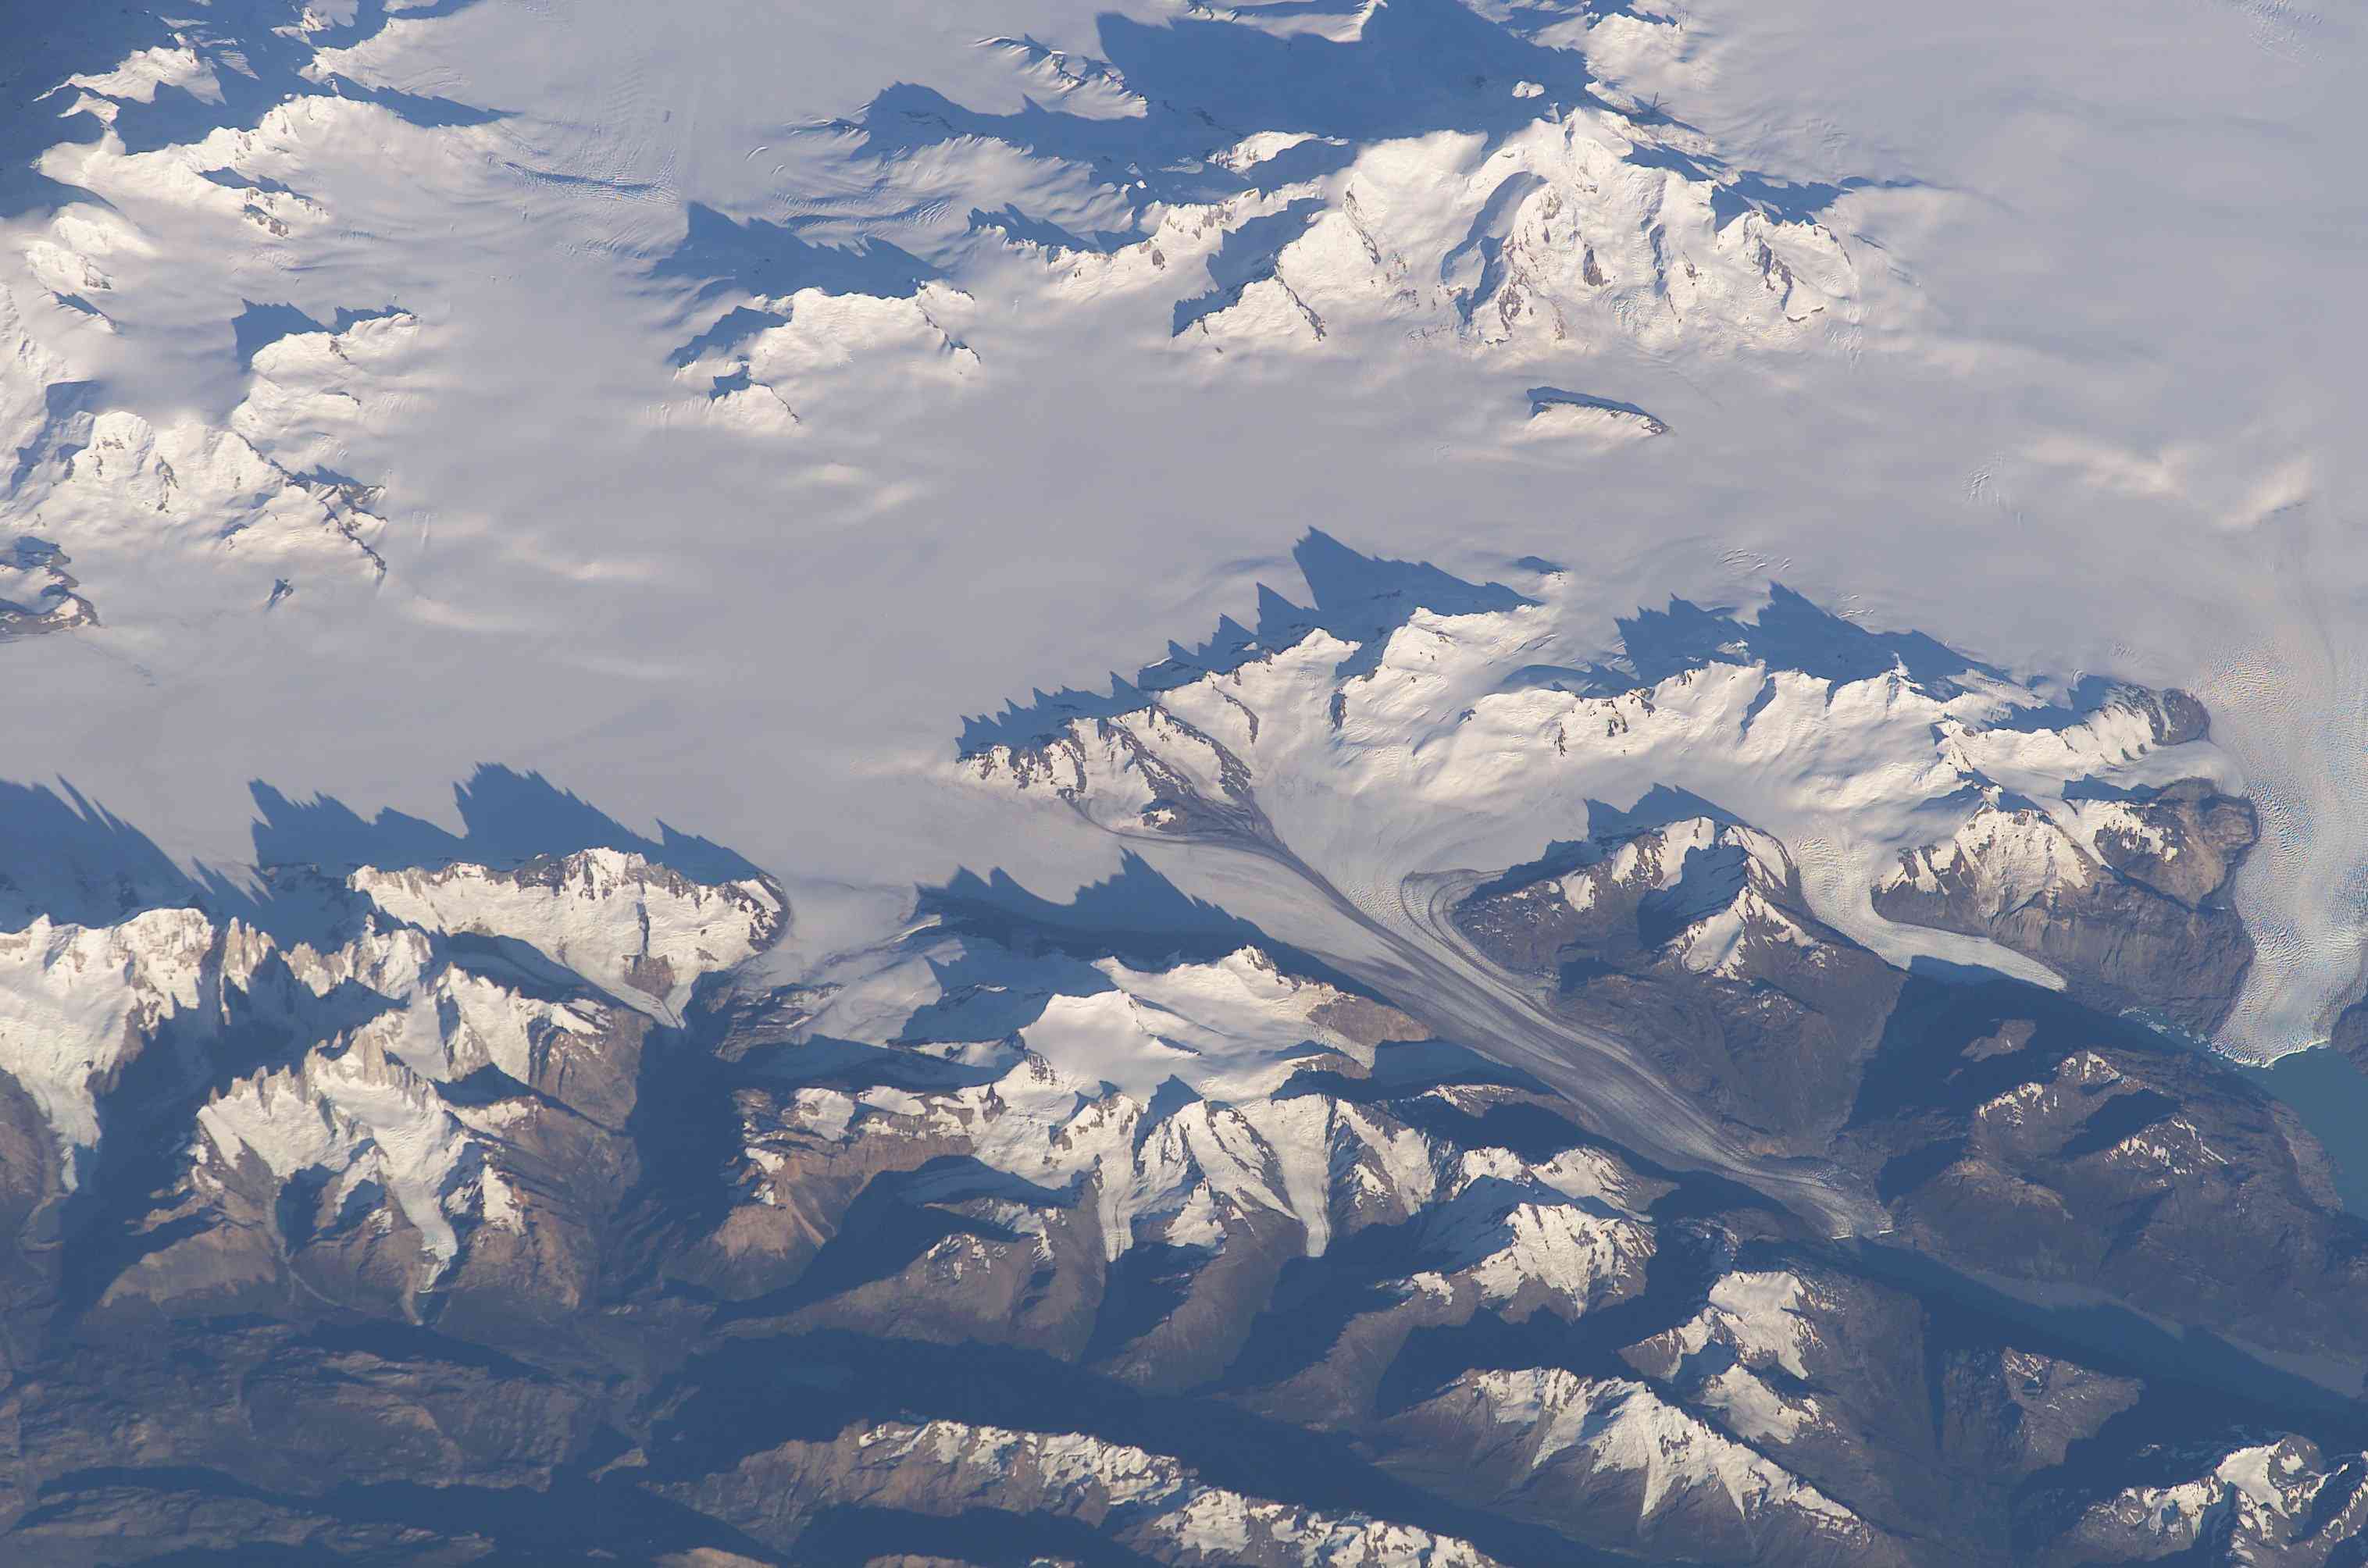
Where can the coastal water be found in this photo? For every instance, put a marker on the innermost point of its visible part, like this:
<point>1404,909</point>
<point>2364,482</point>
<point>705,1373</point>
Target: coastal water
<point>2330,1094</point>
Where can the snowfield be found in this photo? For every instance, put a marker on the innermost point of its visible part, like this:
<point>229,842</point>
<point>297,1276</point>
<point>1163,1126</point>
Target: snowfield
<point>713,418</point>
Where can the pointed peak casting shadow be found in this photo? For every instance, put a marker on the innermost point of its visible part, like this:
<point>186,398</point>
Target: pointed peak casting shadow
<point>719,252</point>
<point>1656,808</point>
<point>1135,915</point>
<point>75,861</point>
<point>71,859</point>
<point>507,818</point>
<point>248,74</point>
<point>1606,825</point>
<point>1359,598</point>
<point>260,324</point>
<point>1790,633</point>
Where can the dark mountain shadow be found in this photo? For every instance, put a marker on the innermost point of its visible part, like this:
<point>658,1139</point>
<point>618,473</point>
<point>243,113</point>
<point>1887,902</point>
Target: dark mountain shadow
<point>2194,1364</point>
<point>1922,1061</point>
<point>261,324</point>
<point>146,1116</point>
<point>1019,225</point>
<point>719,253</point>
<point>994,993</point>
<point>68,858</point>
<point>2087,695</point>
<point>747,1397</point>
<point>1135,915</point>
<point>1792,201</point>
<point>275,60</point>
<point>72,860</point>
<point>258,61</point>
<point>1416,67</point>
<point>1543,398</point>
<point>508,817</point>
<point>1677,1280</point>
<point>1791,633</point>
<point>574,1518</point>
<point>732,327</point>
<point>892,1225</point>
<point>1406,70</point>
<point>827,1061</point>
<point>751,256</point>
<point>852,1535</point>
<point>53,439</point>
<point>47,43</point>
<point>65,856</point>
<point>1656,808</point>
<point>1359,598</point>
<point>1408,1069</point>
<point>1166,147</point>
<point>1247,256</point>
<point>1362,599</point>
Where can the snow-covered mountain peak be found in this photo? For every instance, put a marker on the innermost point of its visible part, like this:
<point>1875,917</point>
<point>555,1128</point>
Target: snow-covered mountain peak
<point>1416,751</point>
<point>646,932</point>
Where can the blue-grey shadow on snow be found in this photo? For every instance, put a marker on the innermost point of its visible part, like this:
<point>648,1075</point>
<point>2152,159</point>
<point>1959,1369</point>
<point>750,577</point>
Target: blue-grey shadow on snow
<point>719,252</point>
<point>1362,599</point>
<point>1165,148</point>
<point>506,817</point>
<point>1791,633</point>
<point>260,324</point>
<point>70,858</point>
<point>1414,67</point>
<point>1608,825</point>
<point>1543,398</point>
<point>61,401</point>
<point>252,34</point>
<point>1247,256</point>
<point>66,856</point>
<point>2088,694</point>
<point>1135,914</point>
<point>1407,70</point>
<point>1019,225</point>
<point>1359,598</point>
<point>1656,808</point>
<point>722,254</point>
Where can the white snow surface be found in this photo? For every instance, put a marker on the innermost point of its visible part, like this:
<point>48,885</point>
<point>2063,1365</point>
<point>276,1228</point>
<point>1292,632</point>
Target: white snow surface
<point>74,1001</point>
<point>1616,1424</point>
<point>1944,318</point>
<point>1186,1170</point>
<point>360,1101</point>
<point>602,912</point>
<point>1438,762</point>
<point>1135,1489</point>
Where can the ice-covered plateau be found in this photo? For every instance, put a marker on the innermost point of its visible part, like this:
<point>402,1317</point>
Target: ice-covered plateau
<point>1523,209</point>
<point>1474,214</point>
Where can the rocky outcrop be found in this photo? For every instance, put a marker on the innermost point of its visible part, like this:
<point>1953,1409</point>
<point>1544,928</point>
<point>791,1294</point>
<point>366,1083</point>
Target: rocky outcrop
<point>1695,942</point>
<point>435,1099</point>
<point>1117,1496</point>
<point>36,592</point>
<point>2280,1501</point>
<point>2031,1140</point>
<point>2123,898</point>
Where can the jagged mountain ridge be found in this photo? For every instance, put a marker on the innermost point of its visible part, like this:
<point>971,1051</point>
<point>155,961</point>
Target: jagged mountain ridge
<point>1087,1229</point>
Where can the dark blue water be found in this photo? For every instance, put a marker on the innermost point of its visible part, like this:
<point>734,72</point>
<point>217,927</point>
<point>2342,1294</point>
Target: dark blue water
<point>2330,1094</point>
